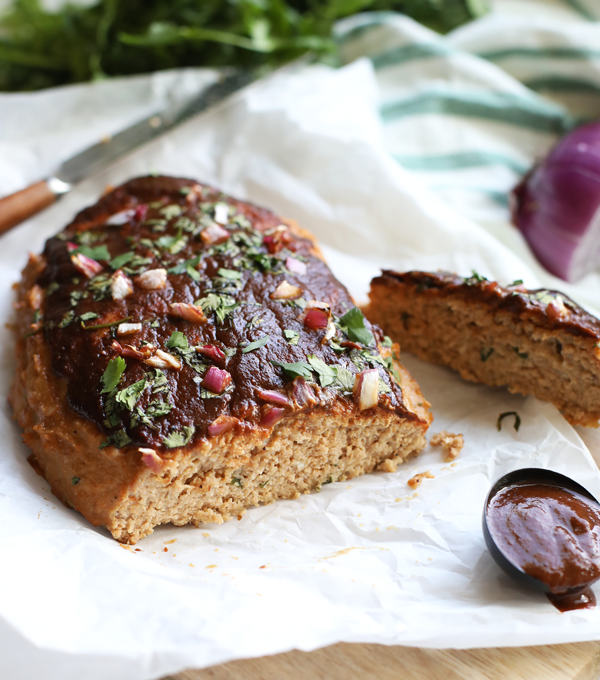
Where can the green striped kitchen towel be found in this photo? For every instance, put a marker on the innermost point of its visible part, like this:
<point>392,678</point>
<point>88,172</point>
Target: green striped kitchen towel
<point>470,112</point>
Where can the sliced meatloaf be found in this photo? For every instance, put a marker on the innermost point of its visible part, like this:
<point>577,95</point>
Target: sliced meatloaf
<point>183,355</point>
<point>532,341</point>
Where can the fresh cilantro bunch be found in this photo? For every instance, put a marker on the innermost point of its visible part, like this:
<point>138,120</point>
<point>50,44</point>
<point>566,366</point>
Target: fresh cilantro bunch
<point>39,48</point>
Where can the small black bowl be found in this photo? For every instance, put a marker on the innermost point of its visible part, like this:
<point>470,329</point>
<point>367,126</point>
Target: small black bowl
<point>535,476</point>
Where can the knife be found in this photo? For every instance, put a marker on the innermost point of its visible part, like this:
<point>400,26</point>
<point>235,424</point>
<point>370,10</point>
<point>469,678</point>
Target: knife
<point>23,204</point>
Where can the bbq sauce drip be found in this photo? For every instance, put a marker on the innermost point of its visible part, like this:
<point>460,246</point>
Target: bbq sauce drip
<point>552,534</point>
<point>158,222</point>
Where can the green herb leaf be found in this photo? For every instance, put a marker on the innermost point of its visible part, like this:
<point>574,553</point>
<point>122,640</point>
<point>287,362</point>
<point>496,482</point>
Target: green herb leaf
<point>485,354</point>
<point>300,369</point>
<point>88,316</point>
<point>170,211</point>
<point>176,439</point>
<point>327,374</point>
<point>75,480</point>
<point>292,337</point>
<point>121,260</point>
<point>112,375</point>
<point>230,274</point>
<point>177,341</point>
<point>97,253</point>
<point>387,341</point>
<point>502,416</point>
<point>130,395</point>
<point>107,325</point>
<point>354,323</point>
<point>257,344</point>
<point>518,282</point>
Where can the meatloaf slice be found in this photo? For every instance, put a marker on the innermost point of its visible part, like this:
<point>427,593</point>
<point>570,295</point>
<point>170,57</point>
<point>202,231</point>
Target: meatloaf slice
<point>532,341</point>
<point>183,355</point>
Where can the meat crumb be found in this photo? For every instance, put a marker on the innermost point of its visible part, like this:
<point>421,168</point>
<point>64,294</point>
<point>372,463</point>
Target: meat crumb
<point>451,443</point>
<point>416,481</point>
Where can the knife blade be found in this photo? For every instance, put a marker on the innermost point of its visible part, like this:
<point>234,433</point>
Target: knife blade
<point>23,204</point>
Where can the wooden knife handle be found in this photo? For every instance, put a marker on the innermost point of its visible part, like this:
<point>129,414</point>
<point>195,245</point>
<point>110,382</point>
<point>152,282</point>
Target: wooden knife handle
<point>17,207</point>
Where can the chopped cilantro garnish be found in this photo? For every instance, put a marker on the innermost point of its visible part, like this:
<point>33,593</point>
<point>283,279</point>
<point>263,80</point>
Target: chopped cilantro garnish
<point>75,480</point>
<point>177,341</point>
<point>300,369</point>
<point>119,438</point>
<point>327,374</point>
<point>52,288</point>
<point>291,336</point>
<point>387,341</point>
<point>112,374</point>
<point>130,395</point>
<point>485,354</point>
<point>156,409</point>
<point>170,211</point>
<point>257,344</point>
<point>173,244</point>
<point>230,274</point>
<point>88,316</point>
<point>121,260</point>
<point>67,319</point>
<point>221,305</point>
<point>353,322</point>
<point>518,282</point>
<point>175,439</point>
<point>475,278</point>
<point>97,253</point>
<point>184,266</point>
<point>502,416</point>
<point>237,481</point>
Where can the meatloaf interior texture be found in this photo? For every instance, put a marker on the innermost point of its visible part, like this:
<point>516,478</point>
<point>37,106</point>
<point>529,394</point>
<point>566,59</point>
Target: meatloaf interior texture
<point>183,355</point>
<point>532,341</point>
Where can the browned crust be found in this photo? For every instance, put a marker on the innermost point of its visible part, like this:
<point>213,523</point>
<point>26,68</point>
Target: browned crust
<point>532,341</point>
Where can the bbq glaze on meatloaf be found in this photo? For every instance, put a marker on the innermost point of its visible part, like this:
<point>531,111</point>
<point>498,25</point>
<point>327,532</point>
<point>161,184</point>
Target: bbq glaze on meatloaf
<point>183,355</point>
<point>532,341</point>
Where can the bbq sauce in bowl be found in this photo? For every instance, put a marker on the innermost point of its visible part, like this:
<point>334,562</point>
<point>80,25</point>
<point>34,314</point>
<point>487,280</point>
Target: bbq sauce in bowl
<point>544,530</point>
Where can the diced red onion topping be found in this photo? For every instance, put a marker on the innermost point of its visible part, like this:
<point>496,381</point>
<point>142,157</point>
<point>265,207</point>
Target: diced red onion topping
<point>296,266</point>
<point>556,309</point>
<point>142,353</point>
<point>128,328</point>
<point>214,234</point>
<point>285,291</point>
<point>221,213</point>
<point>120,285</point>
<point>190,313</point>
<point>366,389</point>
<point>212,352</point>
<point>273,397</point>
<point>35,297</point>
<point>221,424</point>
<point>71,246</point>
<point>140,212</point>
<point>152,460</point>
<point>121,217</point>
<point>316,319</point>
<point>272,416</point>
<point>163,359</point>
<point>216,380</point>
<point>276,240</point>
<point>557,205</point>
<point>86,265</point>
<point>303,393</point>
<point>153,279</point>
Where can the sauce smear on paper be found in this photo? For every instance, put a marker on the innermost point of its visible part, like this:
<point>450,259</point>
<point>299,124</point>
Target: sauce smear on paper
<point>552,534</point>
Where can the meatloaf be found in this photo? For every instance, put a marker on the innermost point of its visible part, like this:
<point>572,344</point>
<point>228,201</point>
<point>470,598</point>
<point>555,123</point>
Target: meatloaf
<point>183,355</point>
<point>532,341</point>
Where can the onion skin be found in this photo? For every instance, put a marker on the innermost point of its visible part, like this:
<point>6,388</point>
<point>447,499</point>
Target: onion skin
<point>555,204</point>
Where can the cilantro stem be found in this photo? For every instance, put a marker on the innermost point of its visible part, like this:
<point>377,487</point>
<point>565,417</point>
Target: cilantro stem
<point>105,325</point>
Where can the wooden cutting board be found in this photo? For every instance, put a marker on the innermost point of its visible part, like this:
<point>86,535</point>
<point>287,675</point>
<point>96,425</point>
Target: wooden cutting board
<point>374,662</point>
<point>579,661</point>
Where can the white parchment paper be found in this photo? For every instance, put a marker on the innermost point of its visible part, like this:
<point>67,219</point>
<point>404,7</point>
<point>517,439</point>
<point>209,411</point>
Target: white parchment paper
<point>365,561</point>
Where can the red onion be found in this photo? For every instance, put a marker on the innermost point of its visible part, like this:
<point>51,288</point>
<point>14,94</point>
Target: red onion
<point>163,360</point>
<point>130,351</point>
<point>86,265</point>
<point>303,393</point>
<point>212,352</point>
<point>285,291</point>
<point>121,217</point>
<point>295,266</point>
<point>188,312</point>
<point>153,279</point>
<point>152,460</point>
<point>272,416</point>
<point>276,240</point>
<point>221,424</point>
<point>316,319</point>
<point>273,397</point>
<point>140,212</point>
<point>214,234</point>
<point>557,205</point>
<point>216,380</point>
<point>120,285</point>
<point>366,389</point>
